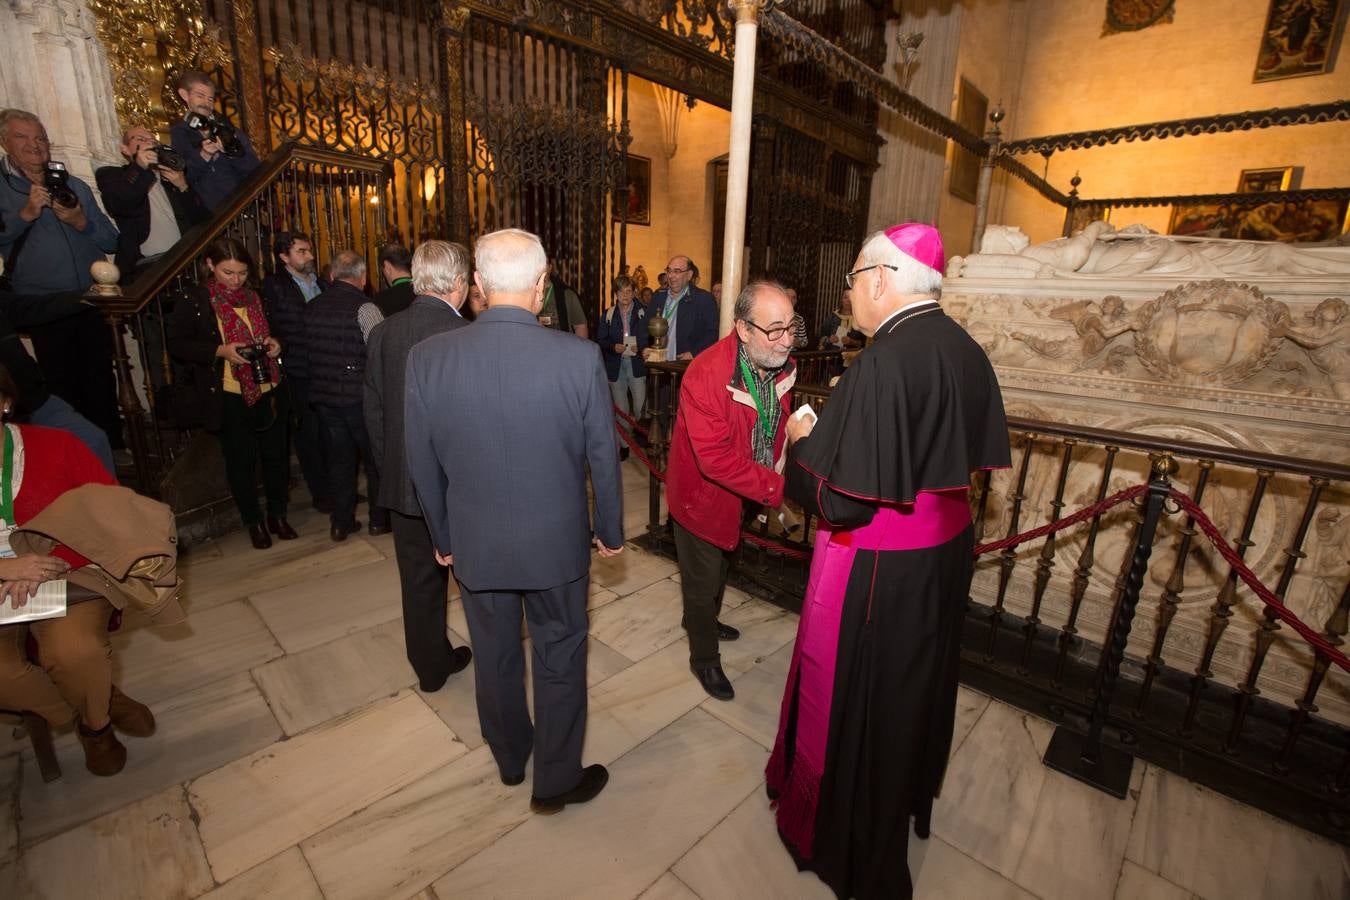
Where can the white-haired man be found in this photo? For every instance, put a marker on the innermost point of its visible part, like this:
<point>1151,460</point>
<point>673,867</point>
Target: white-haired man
<point>499,466</point>
<point>871,693</point>
<point>440,282</point>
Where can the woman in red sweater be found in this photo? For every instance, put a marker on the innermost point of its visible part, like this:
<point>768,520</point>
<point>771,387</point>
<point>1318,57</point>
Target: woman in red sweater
<point>72,677</point>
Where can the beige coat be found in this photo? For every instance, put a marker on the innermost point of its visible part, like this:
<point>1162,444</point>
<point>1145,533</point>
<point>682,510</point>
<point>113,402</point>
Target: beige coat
<point>131,542</point>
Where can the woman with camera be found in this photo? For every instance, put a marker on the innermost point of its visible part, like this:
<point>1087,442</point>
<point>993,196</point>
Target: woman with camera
<point>221,331</point>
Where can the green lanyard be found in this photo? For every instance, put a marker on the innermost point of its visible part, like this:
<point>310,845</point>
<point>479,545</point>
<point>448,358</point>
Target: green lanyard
<point>7,480</point>
<point>754,395</point>
<point>402,279</point>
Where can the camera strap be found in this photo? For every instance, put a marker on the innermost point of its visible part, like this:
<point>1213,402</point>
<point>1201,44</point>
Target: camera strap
<point>12,264</point>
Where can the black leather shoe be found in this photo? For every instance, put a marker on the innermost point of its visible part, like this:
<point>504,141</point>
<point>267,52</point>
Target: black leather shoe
<point>460,657</point>
<point>623,453</point>
<point>593,781</point>
<point>259,536</point>
<point>715,682</point>
<point>727,633</point>
<point>339,534</point>
<point>377,530</point>
<point>281,528</point>
<point>511,780</point>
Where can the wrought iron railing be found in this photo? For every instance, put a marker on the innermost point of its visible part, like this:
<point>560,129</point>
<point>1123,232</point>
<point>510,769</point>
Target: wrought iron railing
<point>1211,685</point>
<point>323,193</point>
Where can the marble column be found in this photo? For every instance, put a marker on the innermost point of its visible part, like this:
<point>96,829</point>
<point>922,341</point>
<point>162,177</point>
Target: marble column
<point>908,183</point>
<point>53,65</point>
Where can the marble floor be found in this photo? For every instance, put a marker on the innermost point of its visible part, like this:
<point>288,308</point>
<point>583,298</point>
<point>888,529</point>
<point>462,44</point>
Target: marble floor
<point>295,758</point>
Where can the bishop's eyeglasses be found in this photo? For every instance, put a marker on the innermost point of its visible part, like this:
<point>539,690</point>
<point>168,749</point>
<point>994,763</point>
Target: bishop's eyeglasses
<point>848,279</point>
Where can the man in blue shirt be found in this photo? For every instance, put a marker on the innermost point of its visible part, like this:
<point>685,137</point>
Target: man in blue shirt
<point>48,248</point>
<point>211,171</point>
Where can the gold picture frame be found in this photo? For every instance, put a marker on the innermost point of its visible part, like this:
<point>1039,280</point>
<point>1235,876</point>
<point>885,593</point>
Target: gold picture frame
<point>1260,181</point>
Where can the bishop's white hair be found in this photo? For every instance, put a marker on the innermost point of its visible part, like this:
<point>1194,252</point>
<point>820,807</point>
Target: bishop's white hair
<point>910,275</point>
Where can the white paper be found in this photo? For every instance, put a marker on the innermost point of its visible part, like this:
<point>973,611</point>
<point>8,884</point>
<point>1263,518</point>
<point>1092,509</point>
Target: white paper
<point>805,412</point>
<point>48,603</point>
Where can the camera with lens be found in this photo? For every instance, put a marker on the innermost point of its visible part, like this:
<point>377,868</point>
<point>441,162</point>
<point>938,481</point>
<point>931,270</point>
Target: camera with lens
<point>257,359</point>
<point>211,128</point>
<point>169,158</point>
<point>56,180</point>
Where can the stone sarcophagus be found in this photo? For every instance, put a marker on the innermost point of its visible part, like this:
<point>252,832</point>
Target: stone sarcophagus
<point>1229,343</point>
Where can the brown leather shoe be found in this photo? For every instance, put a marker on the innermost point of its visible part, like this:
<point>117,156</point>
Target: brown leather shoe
<point>259,536</point>
<point>129,717</point>
<point>281,528</point>
<point>103,753</point>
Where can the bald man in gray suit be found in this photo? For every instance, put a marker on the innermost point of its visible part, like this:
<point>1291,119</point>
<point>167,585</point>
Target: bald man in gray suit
<point>502,420</point>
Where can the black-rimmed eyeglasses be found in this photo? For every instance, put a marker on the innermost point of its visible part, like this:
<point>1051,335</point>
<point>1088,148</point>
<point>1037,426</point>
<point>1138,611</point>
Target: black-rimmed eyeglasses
<point>772,334</point>
<point>848,279</point>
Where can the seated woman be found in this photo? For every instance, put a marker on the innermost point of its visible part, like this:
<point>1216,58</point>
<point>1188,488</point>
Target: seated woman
<point>220,329</point>
<point>72,677</point>
<point>623,337</point>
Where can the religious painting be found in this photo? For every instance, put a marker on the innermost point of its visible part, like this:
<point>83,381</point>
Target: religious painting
<point>1135,15</point>
<point>1260,181</point>
<point>972,107</point>
<point>639,192</point>
<point>1297,39</point>
<point>1083,215</point>
<point>1278,220</point>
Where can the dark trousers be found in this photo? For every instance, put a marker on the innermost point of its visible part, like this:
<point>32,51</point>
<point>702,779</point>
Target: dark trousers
<point>426,586</point>
<point>703,580</point>
<point>309,443</point>
<point>75,354</point>
<point>557,622</point>
<point>344,436</point>
<point>249,434</point>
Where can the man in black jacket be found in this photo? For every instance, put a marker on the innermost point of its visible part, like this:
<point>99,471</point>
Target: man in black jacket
<point>335,328</point>
<point>211,169</point>
<point>440,273</point>
<point>285,293</point>
<point>151,203</point>
<point>396,268</point>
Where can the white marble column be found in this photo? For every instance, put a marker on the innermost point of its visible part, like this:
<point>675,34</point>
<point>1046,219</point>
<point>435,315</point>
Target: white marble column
<point>908,183</point>
<point>53,65</point>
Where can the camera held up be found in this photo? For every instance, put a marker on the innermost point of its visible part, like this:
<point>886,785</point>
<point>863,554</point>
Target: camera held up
<point>169,158</point>
<point>257,359</point>
<point>217,130</point>
<point>56,180</point>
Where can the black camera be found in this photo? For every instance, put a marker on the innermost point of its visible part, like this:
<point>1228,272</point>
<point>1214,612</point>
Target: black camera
<point>257,359</point>
<point>56,180</point>
<point>211,128</point>
<point>169,158</point>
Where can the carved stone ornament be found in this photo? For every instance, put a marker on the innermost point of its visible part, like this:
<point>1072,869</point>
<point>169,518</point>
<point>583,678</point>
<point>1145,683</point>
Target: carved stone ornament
<point>1209,333</point>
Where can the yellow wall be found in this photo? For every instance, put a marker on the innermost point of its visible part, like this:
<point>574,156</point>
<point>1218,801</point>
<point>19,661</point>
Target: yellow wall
<point>1200,64</point>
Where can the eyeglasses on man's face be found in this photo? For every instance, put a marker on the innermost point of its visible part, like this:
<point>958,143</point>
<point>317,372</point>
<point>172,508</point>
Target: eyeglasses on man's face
<point>772,334</point>
<point>848,279</point>
<point>670,271</point>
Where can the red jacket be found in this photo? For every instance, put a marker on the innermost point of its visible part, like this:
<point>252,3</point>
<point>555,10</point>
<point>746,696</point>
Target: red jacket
<point>711,473</point>
<point>54,462</point>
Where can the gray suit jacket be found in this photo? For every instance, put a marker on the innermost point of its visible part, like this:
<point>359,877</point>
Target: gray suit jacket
<point>501,421</point>
<point>386,360</point>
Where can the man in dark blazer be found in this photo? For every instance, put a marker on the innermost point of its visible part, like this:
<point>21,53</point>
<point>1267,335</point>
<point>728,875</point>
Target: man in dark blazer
<point>440,278</point>
<point>689,309</point>
<point>395,264</point>
<point>501,421</point>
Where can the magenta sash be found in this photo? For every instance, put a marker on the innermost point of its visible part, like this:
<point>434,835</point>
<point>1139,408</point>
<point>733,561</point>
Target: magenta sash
<point>934,518</point>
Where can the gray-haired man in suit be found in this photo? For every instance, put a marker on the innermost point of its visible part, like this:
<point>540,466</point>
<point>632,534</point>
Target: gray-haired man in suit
<point>501,421</point>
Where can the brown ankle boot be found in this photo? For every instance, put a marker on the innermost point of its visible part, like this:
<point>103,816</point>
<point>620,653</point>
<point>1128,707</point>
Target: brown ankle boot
<point>103,752</point>
<point>129,717</point>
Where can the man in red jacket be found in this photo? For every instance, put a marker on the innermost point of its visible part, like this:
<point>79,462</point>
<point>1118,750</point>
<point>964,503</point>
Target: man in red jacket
<point>725,452</point>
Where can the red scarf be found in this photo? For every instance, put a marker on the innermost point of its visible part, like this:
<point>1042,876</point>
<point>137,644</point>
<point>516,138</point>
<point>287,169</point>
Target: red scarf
<point>226,303</point>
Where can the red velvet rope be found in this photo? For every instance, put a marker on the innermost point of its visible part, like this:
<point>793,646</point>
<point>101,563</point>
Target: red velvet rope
<point>1191,508</point>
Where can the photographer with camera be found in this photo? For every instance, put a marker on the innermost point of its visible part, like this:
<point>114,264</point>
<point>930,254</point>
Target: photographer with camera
<point>220,330</point>
<point>53,231</point>
<point>218,155</point>
<point>149,198</point>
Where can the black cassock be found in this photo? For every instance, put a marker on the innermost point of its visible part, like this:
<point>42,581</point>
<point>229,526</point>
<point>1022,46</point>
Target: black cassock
<point>867,715</point>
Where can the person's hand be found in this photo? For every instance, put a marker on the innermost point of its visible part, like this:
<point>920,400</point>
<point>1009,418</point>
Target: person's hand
<point>652,354</point>
<point>38,198</point>
<point>211,149</point>
<point>175,178</point>
<point>17,593</point>
<point>799,427</point>
<point>620,348</point>
<point>72,215</point>
<point>606,552</point>
<point>32,567</point>
<point>685,355</point>
<point>147,157</point>
<point>273,347</point>
<point>447,560</point>
<point>230,353</point>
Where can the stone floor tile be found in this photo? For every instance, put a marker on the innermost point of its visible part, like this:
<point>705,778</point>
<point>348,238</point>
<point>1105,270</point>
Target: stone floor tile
<point>970,705</point>
<point>661,798</point>
<point>285,876</point>
<point>631,571</point>
<point>668,887</point>
<point>255,807</point>
<point>641,700</point>
<point>948,874</point>
<point>147,849</point>
<point>324,682</point>
<point>321,609</point>
<point>404,841</point>
<point>153,664</point>
<point>641,622</point>
<point>765,630</point>
<point>456,704</point>
<point>1138,883</point>
<point>759,698</point>
<point>195,732</point>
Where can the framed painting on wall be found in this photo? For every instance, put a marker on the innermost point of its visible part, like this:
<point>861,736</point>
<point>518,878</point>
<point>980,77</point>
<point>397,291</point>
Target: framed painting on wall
<point>1259,181</point>
<point>1278,220</point>
<point>1297,39</point>
<point>1082,216</point>
<point>972,107</point>
<point>639,192</point>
